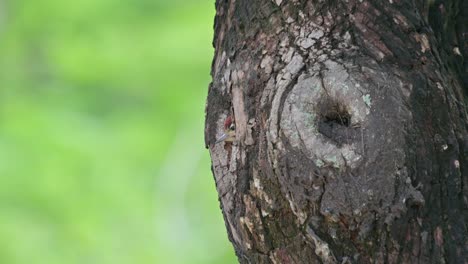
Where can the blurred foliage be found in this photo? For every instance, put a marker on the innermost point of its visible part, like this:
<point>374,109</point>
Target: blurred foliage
<point>102,158</point>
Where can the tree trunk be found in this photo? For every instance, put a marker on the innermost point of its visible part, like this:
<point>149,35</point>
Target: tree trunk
<point>351,130</point>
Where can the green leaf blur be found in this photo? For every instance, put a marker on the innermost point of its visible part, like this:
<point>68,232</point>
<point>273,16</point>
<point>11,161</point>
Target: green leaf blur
<point>102,158</point>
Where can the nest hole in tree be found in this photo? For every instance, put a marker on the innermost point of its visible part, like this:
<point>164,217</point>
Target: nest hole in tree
<point>334,112</point>
<point>334,120</point>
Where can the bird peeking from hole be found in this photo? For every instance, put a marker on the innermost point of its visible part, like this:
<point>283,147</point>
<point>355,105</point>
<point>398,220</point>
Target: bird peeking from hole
<point>229,134</point>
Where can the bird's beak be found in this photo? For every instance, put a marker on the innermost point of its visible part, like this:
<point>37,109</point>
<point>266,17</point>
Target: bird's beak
<point>221,138</point>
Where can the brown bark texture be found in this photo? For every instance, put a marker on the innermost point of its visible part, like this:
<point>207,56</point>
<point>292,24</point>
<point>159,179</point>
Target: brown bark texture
<point>351,129</point>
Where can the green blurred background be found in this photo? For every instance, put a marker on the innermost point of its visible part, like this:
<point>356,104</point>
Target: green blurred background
<point>102,158</point>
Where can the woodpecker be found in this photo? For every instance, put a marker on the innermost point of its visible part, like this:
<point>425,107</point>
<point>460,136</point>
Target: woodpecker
<point>229,134</point>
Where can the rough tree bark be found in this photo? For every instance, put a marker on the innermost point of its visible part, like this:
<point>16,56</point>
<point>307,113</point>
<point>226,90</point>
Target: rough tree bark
<point>351,129</point>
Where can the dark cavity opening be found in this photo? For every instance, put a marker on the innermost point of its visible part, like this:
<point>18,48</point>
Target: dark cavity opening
<point>333,112</point>
<point>334,121</point>
<point>342,119</point>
